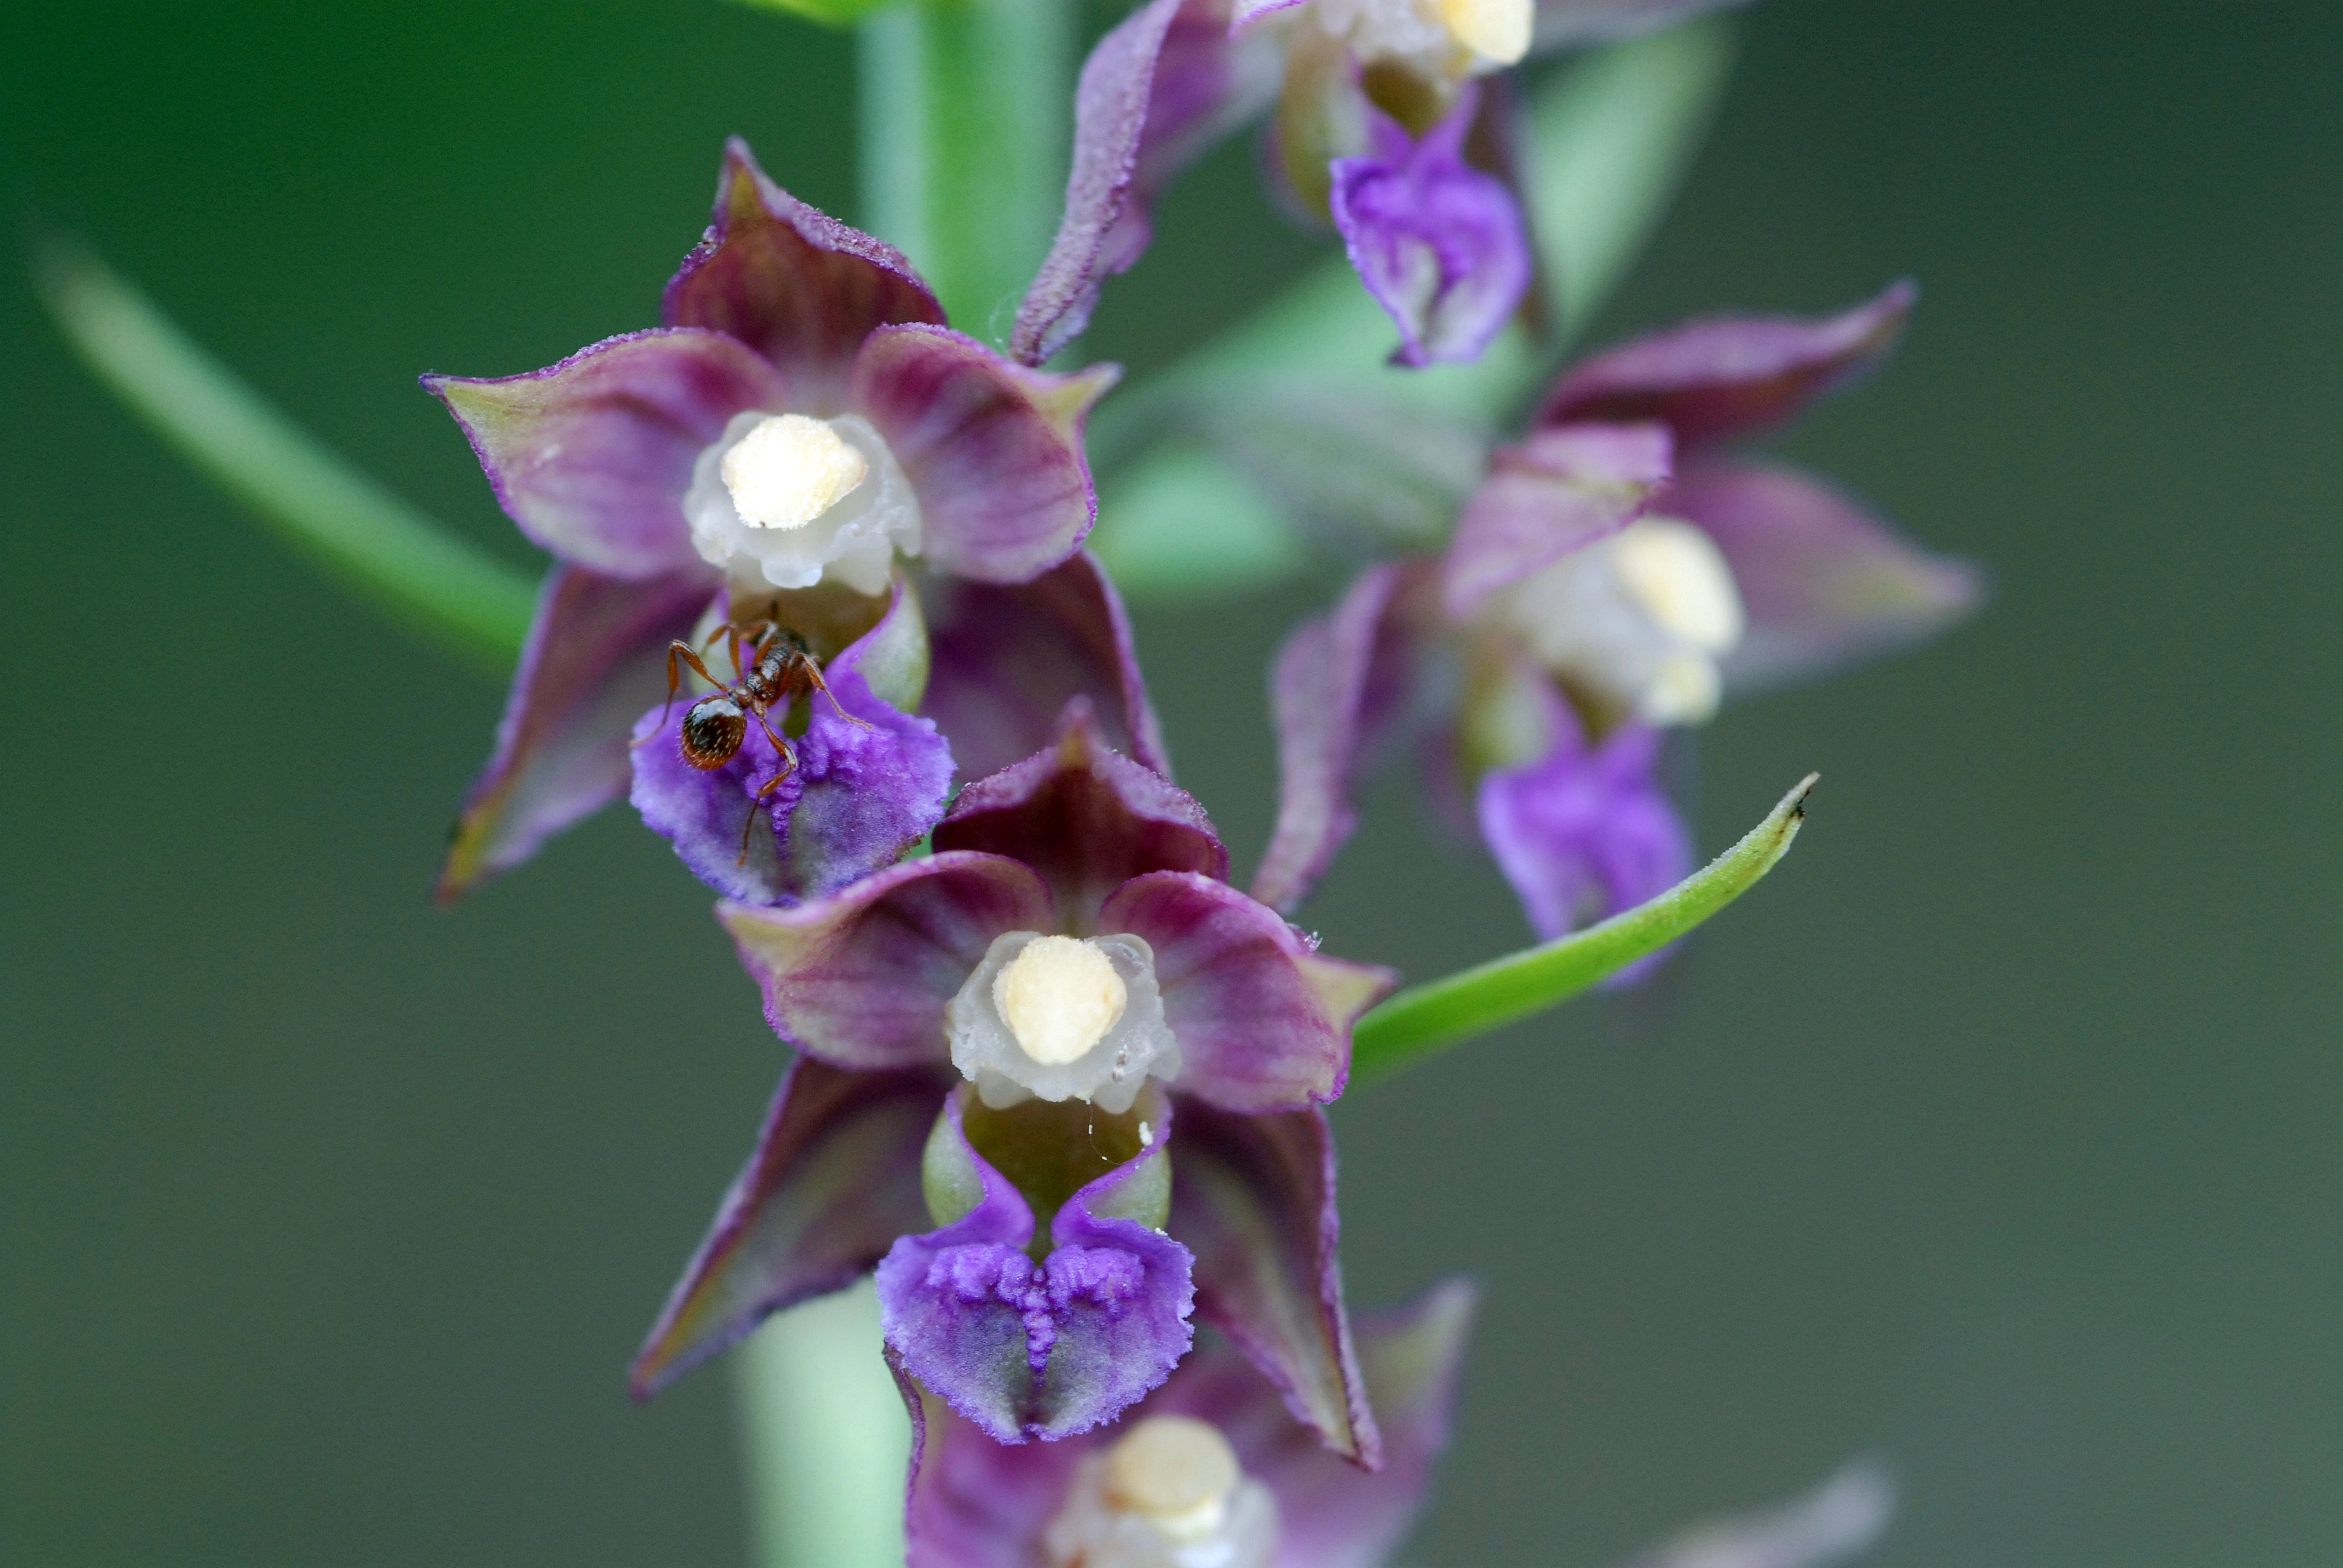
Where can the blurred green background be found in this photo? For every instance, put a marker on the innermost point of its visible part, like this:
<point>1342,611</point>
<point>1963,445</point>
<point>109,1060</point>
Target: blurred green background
<point>1994,1134</point>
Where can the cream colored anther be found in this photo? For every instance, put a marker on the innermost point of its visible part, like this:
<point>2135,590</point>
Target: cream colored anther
<point>1677,574</point>
<point>1059,998</point>
<point>1495,30</point>
<point>1176,1472</point>
<point>788,470</point>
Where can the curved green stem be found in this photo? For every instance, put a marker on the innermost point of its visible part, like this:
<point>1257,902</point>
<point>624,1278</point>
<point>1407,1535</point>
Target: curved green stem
<point>406,562</point>
<point>1425,1020</point>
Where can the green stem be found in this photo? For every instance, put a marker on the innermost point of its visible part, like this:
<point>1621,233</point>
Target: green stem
<point>825,1436</point>
<point>406,562</point>
<point>1425,1020</point>
<point>964,122</point>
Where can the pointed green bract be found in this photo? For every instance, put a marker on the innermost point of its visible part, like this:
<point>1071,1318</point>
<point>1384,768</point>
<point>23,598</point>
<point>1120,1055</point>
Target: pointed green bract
<point>1424,1019</point>
<point>409,565</point>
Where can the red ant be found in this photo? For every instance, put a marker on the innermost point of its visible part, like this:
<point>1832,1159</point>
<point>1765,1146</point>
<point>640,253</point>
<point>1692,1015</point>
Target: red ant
<point>780,666</point>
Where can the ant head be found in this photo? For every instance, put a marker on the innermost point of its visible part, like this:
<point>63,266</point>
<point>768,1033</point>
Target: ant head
<point>713,728</point>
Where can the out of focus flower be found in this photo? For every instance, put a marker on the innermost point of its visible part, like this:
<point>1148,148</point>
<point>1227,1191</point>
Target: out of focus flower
<point>801,424</point>
<point>1057,1083</point>
<point>1208,1470</point>
<point>1617,572</point>
<point>1379,127</point>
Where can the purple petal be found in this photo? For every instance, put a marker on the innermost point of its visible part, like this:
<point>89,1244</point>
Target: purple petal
<point>833,1181</point>
<point>1824,583</point>
<point>1263,1022</point>
<point>715,820</point>
<point>1332,1513</point>
<point>1048,1350</point>
<point>868,783</point>
<point>1731,375</point>
<point>591,456</point>
<point>1558,491</point>
<point>993,450</point>
<point>1585,835</point>
<point>978,1503</point>
<point>1330,678</point>
<point>870,791</point>
<point>1568,24</point>
<point>1008,658</point>
<point>792,283</point>
<point>860,979</point>
<point>1157,90</point>
<point>1086,818</point>
<point>1253,1197</point>
<point>596,653</point>
<point>1439,244</point>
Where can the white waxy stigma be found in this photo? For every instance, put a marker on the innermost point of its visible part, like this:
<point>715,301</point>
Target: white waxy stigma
<point>1062,1017</point>
<point>1175,1470</point>
<point>781,500</point>
<point>1680,577</point>
<point>1638,620</point>
<point>1497,31</point>
<point>788,470</point>
<point>1059,998</point>
<point>1168,1494</point>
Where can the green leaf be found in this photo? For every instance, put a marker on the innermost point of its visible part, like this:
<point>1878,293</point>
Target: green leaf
<point>1612,139</point>
<point>829,13</point>
<point>1195,530</point>
<point>407,563</point>
<point>1425,1020</point>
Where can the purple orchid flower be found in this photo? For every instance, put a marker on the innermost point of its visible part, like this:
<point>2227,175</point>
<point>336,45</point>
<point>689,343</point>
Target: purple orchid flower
<point>1374,107</point>
<point>1617,572</point>
<point>801,425</point>
<point>1209,1468</point>
<point>1059,1084</point>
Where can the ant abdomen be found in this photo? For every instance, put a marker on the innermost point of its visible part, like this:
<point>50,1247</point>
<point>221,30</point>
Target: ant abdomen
<point>713,728</point>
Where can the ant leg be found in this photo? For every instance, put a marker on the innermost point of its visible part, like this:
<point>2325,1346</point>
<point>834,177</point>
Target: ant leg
<point>757,805</point>
<point>781,742</point>
<point>677,649</point>
<point>813,675</point>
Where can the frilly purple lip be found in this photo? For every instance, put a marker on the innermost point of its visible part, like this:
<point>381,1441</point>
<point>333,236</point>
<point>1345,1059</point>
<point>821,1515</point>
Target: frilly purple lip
<point>1045,1350</point>
<point>1439,244</point>
<point>977,1504</point>
<point>866,783</point>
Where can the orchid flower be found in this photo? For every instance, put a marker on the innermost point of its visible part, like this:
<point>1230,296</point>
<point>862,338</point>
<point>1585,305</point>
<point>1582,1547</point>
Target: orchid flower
<point>1059,1084</point>
<point>1209,1468</point>
<point>1618,572</point>
<point>1210,1472</point>
<point>1381,126</point>
<point>801,427</point>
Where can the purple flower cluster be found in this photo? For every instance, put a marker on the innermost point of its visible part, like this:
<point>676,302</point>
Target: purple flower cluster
<point>821,612</point>
<point>1379,125</point>
<point>1618,572</point>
